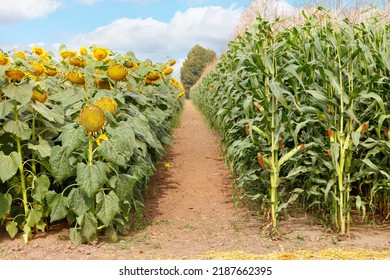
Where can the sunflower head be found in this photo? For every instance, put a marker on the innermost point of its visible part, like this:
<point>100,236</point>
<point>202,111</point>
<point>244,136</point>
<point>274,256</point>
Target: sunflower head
<point>38,69</point>
<point>51,71</point>
<point>78,61</point>
<point>92,118</point>
<point>102,83</point>
<point>99,53</point>
<point>15,75</point>
<point>172,62</point>
<point>4,60</point>
<point>76,78</point>
<point>83,50</point>
<point>131,64</point>
<point>117,72</point>
<point>66,54</point>
<point>19,54</point>
<point>38,51</point>
<point>106,103</point>
<point>168,71</point>
<point>153,76</point>
<point>39,95</point>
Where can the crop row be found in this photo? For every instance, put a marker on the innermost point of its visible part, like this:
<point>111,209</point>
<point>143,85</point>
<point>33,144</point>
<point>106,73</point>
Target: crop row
<point>303,112</point>
<point>80,136</point>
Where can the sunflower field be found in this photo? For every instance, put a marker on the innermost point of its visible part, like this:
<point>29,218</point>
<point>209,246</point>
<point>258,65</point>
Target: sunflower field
<point>80,136</point>
<point>304,115</point>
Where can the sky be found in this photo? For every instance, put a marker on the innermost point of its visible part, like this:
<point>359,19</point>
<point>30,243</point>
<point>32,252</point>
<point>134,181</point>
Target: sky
<point>152,29</point>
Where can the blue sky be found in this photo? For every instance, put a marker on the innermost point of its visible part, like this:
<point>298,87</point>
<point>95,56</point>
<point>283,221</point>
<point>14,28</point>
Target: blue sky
<point>121,25</point>
<point>154,29</point>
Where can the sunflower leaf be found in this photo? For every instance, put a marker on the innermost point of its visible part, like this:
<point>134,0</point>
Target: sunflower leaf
<point>91,177</point>
<point>107,207</point>
<point>9,165</point>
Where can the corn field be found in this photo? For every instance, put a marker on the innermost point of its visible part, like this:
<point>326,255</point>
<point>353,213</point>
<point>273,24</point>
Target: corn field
<point>80,137</point>
<point>304,116</point>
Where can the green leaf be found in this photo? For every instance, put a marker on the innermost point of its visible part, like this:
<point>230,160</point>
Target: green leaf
<point>75,236</point>
<point>33,217</point>
<point>18,128</point>
<point>5,205</point>
<point>107,207</point>
<point>78,201</point>
<point>89,227</point>
<point>91,177</point>
<point>278,92</point>
<point>43,148</point>
<point>12,228</point>
<point>40,186</point>
<point>119,147</point>
<point>72,138</point>
<point>21,93</point>
<point>111,233</point>
<point>378,99</point>
<point>9,165</point>
<point>6,107</point>
<point>55,114</point>
<point>123,185</point>
<point>60,163</point>
<point>356,137</point>
<point>57,206</point>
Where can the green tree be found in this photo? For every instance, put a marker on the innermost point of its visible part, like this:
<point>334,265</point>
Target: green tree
<point>197,59</point>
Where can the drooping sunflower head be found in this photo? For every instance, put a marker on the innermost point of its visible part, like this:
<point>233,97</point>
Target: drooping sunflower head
<point>39,95</point>
<point>168,71</point>
<point>4,60</point>
<point>67,53</point>
<point>131,64</point>
<point>15,74</point>
<point>19,54</point>
<point>117,72</point>
<point>38,51</point>
<point>83,50</point>
<point>78,61</point>
<point>92,118</point>
<point>76,78</point>
<point>51,71</point>
<point>38,69</point>
<point>106,103</point>
<point>102,83</point>
<point>99,53</point>
<point>154,76</point>
<point>172,62</point>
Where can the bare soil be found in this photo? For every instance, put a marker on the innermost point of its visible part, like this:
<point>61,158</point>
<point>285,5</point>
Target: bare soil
<point>190,213</point>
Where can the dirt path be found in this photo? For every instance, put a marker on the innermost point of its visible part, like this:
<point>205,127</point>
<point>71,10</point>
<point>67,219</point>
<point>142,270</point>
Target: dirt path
<point>190,212</point>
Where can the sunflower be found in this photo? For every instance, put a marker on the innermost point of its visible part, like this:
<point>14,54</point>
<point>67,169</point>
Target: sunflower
<point>39,95</point>
<point>38,69</point>
<point>51,71</point>
<point>38,51</point>
<point>154,76</point>
<point>101,138</point>
<point>78,61</point>
<point>168,71</point>
<point>131,64</point>
<point>21,55</point>
<point>99,53</point>
<point>83,50</point>
<point>106,103</point>
<point>15,75</point>
<point>172,62</point>
<point>76,78</point>
<point>66,54</point>
<point>92,118</point>
<point>4,60</point>
<point>102,83</point>
<point>117,72</point>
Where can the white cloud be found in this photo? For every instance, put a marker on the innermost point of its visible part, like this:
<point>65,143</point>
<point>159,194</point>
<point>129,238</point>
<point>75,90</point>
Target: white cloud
<point>92,2</point>
<point>211,27</point>
<point>15,10</point>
